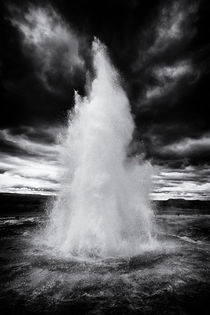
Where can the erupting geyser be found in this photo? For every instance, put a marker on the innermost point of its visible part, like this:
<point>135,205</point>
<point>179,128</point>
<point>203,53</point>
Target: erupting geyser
<point>103,207</point>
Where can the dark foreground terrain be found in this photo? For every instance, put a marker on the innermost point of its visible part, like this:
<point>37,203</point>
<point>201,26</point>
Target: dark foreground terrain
<point>173,278</point>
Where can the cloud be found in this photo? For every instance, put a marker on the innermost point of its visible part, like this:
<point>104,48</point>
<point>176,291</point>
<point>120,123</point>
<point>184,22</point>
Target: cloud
<point>191,182</point>
<point>36,169</point>
<point>162,62</point>
<point>174,25</point>
<point>175,141</point>
<point>20,184</point>
<point>188,146</point>
<point>159,63</point>
<point>167,78</point>
<point>29,174</point>
<point>26,144</point>
<point>51,42</point>
<point>173,72</point>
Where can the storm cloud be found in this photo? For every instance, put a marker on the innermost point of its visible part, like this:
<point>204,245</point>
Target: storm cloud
<point>53,45</point>
<point>161,50</point>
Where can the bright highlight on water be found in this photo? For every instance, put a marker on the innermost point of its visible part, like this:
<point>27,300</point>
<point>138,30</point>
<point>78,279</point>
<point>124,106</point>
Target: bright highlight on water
<point>103,208</point>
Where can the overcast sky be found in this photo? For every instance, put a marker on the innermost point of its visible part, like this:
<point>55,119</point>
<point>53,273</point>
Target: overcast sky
<point>161,49</point>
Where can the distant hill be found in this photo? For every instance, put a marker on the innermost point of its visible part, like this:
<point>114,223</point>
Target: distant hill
<point>182,206</point>
<point>17,204</point>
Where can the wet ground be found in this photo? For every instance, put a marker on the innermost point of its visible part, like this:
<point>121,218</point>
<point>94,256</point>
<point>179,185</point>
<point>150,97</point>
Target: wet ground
<point>172,279</point>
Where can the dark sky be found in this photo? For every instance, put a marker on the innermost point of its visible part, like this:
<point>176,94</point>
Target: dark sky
<point>161,50</point>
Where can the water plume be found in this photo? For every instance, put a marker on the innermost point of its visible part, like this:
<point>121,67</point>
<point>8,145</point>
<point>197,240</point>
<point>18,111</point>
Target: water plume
<point>103,208</point>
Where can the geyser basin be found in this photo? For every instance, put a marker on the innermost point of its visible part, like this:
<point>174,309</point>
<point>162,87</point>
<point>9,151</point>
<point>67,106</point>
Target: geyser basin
<point>173,279</point>
<point>103,208</point>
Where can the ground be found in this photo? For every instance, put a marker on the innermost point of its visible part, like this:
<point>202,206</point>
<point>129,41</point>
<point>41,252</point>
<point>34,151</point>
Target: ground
<point>173,278</point>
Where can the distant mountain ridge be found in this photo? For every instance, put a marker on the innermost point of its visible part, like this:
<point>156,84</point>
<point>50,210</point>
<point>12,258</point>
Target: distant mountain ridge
<point>179,206</point>
<point>15,204</point>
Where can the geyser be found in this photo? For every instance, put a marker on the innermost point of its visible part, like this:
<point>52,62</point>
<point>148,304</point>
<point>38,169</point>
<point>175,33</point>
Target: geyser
<point>103,208</point>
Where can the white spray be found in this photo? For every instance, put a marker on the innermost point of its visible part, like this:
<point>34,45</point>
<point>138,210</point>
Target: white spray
<point>103,207</point>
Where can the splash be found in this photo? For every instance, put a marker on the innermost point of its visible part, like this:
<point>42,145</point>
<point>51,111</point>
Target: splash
<point>103,207</point>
